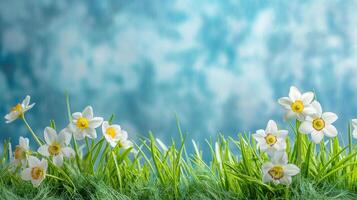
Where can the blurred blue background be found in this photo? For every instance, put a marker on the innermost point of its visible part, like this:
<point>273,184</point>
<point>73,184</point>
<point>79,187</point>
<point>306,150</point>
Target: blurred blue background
<point>219,65</point>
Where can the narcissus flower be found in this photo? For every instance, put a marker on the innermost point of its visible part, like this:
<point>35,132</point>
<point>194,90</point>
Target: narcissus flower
<point>297,105</point>
<point>319,124</point>
<point>123,140</point>
<point>84,124</point>
<point>271,139</point>
<point>57,145</point>
<point>19,157</point>
<point>19,109</point>
<point>354,124</point>
<point>112,133</point>
<point>278,170</point>
<point>36,171</point>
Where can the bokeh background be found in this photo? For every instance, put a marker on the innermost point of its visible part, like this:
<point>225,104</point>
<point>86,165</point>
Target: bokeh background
<point>220,66</point>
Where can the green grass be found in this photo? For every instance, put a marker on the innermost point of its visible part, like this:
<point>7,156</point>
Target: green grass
<point>328,171</point>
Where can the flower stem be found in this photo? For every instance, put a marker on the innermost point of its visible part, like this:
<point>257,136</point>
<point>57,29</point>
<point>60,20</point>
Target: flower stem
<point>31,131</point>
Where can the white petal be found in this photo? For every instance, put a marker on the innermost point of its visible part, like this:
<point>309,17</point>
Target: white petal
<point>280,158</point>
<point>105,126</point>
<point>267,178</point>
<point>286,180</point>
<point>91,133</point>
<point>309,110</point>
<point>271,127</point>
<point>329,117</point>
<point>280,144</point>
<point>354,122</point>
<point>64,137</point>
<point>11,117</point>
<point>291,169</point>
<point>307,97</point>
<point>26,101</point>
<point>289,114</point>
<point>266,167</point>
<point>68,152</point>
<point>282,133</point>
<point>33,161</point>
<point>294,93</point>
<point>58,160</point>
<point>88,112</point>
<point>26,174</point>
<point>127,144</point>
<point>317,136</point>
<point>37,182</point>
<point>355,133</point>
<point>79,134</point>
<point>285,102</point>
<point>43,150</point>
<point>50,135</point>
<point>306,127</point>
<point>24,143</point>
<point>95,122</point>
<point>317,106</point>
<point>330,131</point>
<point>44,164</point>
<point>76,115</point>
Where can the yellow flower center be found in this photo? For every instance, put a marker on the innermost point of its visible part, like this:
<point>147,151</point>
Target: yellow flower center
<point>111,132</point>
<point>276,172</point>
<point>318,124</point>
<point>297,106</point>
<point>54,148</point>
<point>19,153</point>
<point>37,173</point>
<point>82,123</point>
<point>270,139</point>
<point>17,108</point>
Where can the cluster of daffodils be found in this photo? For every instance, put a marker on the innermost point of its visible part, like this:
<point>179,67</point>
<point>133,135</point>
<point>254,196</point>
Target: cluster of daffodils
<point>313,121</point>
<point>56,147</point>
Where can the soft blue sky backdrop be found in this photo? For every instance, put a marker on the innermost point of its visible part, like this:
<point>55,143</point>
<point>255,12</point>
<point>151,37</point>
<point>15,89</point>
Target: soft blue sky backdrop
<point>219,65</point>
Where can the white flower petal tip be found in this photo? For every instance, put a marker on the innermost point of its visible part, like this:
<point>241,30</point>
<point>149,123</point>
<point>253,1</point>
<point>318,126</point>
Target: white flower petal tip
<point>297,105</point>
<point>56,145</point>
<point>271,139</point>
<point>18,158</point>
<point>84,124</point>
<point>19,110</point>
<point>279,171</point>
<point>36,171</point>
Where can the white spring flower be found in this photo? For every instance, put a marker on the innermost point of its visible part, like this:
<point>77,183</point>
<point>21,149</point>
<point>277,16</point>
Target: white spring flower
<point>278,170</point>
<point>19,156</point>
<point>36,172</point>
<point>319,124</point>
<point>354,124</point>
<point>18,110</point>
<point>112,133</point>
<point>271,139</point>
<point>297,105</point>
<point>57,145</point>
<point>84,124</point>
<point>124,142</point>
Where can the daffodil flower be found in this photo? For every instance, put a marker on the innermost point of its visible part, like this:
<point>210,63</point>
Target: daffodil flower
<point>354,124</point>
<point>19,109</point>
<point>123,140</point>
<point>36,172</point>
<point>271,139</point>
<point>112,133</point>
<point>84,124</point>
<point>57,145</point>
<point>297,105</point>
<point>19,157</point>
<point>319,124</point>
<point>278,170</point>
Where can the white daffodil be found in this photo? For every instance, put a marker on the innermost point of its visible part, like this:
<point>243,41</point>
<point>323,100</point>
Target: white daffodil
<point>297,105</point>
<point>354,124</point>
<point>18,110</point>
<point>112,133</point>
<point>84,124</point>
<point>19,157</point>
<point>278,170</point>
<point>123,140</point>
<point>36,171</point>
<point>271,139</point>
<point>319,124</point>
<point>57,145</point>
